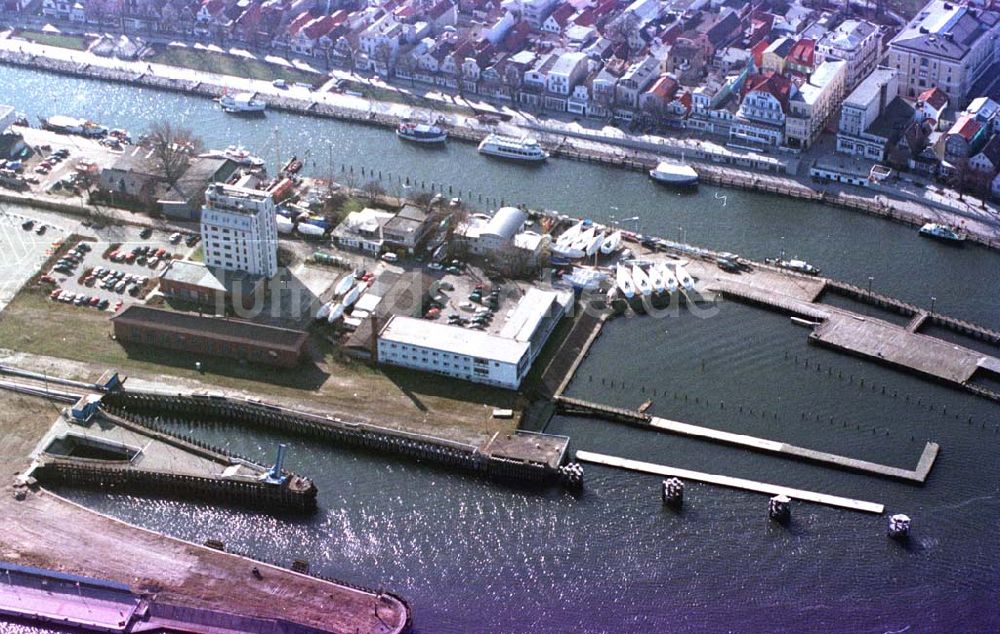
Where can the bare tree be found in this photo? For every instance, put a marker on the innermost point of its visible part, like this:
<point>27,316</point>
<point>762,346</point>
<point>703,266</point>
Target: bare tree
<point>172,148</point>
<point>373,189</point>
<point>623,31</point>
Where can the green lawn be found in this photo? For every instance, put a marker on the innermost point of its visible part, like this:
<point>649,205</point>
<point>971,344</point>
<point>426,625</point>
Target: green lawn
<point>75,42</point>
<point>226,64</point>
<point>419,402</point>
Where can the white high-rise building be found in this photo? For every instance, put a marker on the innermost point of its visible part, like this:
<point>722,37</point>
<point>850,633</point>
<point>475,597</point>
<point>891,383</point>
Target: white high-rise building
<point>238,230</point>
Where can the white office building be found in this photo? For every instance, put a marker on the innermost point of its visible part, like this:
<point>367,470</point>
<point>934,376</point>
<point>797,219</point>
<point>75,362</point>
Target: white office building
<point>502,359</point>
<point>238,230</point>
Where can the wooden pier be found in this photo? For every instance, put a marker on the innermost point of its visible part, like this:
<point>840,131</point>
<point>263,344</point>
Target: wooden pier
<point>729,481</point>
<point>639,419</point>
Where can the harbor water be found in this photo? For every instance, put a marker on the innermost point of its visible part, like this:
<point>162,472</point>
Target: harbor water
<point>472,556</point>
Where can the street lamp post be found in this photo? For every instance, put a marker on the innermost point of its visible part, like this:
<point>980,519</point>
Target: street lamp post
<point>933,301</point>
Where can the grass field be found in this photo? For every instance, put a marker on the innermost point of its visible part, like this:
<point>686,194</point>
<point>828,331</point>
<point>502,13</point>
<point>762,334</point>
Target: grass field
<point>414,401</point>
<point>75,42</point>
<point>225,64</point>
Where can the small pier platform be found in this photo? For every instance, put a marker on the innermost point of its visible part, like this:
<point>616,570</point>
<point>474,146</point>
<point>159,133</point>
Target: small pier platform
<point>729,481</point>
<point>796,306</point>
<point>894,345</point>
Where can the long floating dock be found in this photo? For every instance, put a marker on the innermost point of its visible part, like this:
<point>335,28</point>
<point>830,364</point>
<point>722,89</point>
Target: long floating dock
<point>731,482</point>
<point>570,405</point>
<point>924,464</point>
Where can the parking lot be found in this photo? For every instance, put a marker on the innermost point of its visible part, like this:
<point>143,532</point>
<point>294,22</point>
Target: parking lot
<point>58,158</point>
<point>23,250</point>
<point>466,296</point>
<point>109,276</point>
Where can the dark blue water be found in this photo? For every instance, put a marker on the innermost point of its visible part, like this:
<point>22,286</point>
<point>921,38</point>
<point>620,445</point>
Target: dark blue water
<point>471,556</point>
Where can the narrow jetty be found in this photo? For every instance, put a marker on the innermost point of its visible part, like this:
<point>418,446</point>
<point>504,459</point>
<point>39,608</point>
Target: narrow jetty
<point>729,481</point>
<point>617,414</point>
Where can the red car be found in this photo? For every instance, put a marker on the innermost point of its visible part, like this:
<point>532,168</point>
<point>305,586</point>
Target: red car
<point>54,294</point>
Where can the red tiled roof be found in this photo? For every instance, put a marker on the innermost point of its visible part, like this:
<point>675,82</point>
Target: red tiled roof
<point>562,14</point>
<point>773,83</point>
<point>934,97</point>
<point>298,22</point>
<point>966,127</point>
<point>758,51</point>
<point>803,52</point>
<point>439,9</point>
<point>665,87</point>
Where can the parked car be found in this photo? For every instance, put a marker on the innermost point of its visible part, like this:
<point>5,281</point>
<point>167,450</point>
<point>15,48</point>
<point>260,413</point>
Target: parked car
<point>146,233</point>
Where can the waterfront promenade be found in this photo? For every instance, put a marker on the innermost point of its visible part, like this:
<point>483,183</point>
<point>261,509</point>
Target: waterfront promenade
<point>586,141</point>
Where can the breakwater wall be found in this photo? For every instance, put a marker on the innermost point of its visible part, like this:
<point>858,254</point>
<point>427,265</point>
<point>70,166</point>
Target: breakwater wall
<point>438,451</point>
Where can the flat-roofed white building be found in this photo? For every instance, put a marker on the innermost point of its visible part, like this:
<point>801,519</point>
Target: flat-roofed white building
<point>502,359</point>
<point>238,230</point>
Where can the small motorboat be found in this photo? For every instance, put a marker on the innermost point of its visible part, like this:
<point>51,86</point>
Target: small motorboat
<point>612,243</point>
<point>351,296</point>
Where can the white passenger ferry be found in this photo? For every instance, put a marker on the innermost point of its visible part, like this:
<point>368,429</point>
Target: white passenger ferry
<point>523,149</point>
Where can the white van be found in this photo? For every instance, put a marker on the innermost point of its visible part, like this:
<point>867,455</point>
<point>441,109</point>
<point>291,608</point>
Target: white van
<point>390,257</point>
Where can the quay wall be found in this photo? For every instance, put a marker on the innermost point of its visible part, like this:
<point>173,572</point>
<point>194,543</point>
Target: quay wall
<point>438,451</point>
<point>713,172</point>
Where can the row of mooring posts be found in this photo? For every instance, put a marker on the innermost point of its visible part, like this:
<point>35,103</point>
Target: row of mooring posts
<point>779,508</point>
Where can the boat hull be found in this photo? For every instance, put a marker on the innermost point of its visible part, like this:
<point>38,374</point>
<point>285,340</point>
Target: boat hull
<point>425,140</point>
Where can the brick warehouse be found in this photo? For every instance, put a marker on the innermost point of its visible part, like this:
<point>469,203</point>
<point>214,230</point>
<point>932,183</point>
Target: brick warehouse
<point>215,336</point>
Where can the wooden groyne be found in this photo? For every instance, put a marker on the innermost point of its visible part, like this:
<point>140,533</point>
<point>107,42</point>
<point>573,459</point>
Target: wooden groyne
<point>632,417</point>
<point>731,482</point>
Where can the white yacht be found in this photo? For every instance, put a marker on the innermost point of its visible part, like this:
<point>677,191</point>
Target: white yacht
<point>523,149</point>
<point>656,280</point>
<point>684,278</point>
<point>612,243</point>
<point>676,174</point>
<point>567,237</point>
<point>668,277</point>
<point>242,103</point>
<point>595,244</point>
<point>625,283</point>
<point>344,285</point>
<point>641,280</point>
<point>335,313</point>
<point>583,240</point>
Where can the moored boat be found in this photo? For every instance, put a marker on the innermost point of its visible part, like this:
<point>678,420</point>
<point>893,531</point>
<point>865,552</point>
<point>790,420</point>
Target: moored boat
<point>798,266</point>
<point>595,244</point>
<point>242,103</point>
<point>656,280</point>
<point>421,132</point>
<point>73,125</point>
<point>523,149</point>
<point>674,174</point>
<point>941,232</point>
